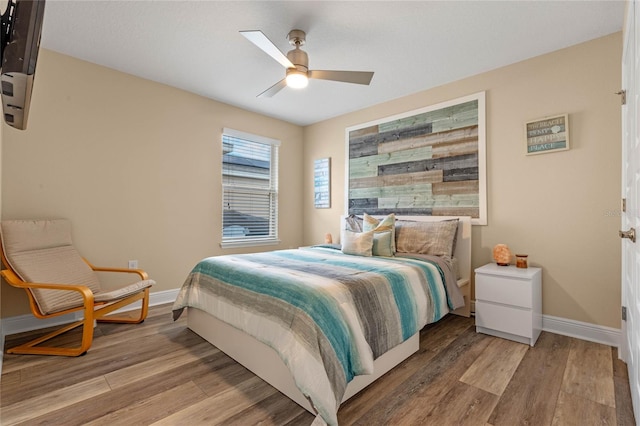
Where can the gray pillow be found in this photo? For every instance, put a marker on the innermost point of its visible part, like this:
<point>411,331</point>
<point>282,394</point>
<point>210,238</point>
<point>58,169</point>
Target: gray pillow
<point>434,238</point>
<point>353,223</point>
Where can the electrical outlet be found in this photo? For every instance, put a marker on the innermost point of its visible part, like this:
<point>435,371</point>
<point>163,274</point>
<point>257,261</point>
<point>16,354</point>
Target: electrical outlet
<point>133,264</point>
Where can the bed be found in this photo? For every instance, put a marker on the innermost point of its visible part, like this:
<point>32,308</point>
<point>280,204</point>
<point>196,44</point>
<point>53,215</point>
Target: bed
<point>319,324</point>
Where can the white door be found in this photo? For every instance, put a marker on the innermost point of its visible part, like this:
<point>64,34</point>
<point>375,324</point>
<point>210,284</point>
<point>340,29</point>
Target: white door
<point>630,347</point>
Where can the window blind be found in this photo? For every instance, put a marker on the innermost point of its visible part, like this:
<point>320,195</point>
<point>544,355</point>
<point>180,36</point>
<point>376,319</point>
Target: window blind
<point>250,189</point>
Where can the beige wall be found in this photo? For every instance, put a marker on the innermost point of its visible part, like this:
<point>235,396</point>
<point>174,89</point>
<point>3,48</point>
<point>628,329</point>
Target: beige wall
<point>560,208</point>
<point>135,166</point>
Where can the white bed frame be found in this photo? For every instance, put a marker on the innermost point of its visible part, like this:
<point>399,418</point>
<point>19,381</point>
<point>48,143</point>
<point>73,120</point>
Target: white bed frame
<point>263,361</point>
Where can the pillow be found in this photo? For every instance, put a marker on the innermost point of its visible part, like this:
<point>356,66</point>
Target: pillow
<point>386,246</point>
<point>434,238</point>
<point>382,244</point>
<point>357,243</point>
<point>353,223</point>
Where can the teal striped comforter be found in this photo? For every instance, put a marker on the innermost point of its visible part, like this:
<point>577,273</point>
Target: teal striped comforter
<point>327,314</point>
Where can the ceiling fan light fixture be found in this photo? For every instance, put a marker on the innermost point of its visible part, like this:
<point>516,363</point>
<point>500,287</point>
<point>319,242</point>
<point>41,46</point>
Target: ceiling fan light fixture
<point>296,62</point>
<point>297,79</point>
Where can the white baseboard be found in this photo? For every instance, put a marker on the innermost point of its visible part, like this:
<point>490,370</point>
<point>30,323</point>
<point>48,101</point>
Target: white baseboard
<point>578,329</point>
<point>27,322</point>
<point>22,323</point>
<point>582,330</point>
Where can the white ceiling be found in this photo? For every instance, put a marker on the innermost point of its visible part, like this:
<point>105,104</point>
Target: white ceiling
<point>411,46</point>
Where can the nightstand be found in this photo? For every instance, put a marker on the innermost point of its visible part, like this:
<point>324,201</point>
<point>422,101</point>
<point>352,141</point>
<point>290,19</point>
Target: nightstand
<point>509,302</point>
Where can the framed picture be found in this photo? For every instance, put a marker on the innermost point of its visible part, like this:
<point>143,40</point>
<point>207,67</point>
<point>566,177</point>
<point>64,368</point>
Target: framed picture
<point>548,134</point>
<point>426,162</point>
<point>322,183</point>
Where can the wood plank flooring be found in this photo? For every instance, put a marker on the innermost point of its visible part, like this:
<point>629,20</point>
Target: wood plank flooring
<point>161,373</point>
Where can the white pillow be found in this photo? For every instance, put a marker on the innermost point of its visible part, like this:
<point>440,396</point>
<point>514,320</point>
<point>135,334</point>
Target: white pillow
<point>357,243</point>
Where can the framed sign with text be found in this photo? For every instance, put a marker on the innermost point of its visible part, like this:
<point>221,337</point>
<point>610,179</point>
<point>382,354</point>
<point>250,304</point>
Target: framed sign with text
<point>547,134</point>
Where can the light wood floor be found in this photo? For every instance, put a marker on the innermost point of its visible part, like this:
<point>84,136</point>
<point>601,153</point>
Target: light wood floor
<point>159,372</point>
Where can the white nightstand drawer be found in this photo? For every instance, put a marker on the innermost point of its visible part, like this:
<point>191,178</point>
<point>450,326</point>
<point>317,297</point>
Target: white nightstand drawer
<point>504,318</point>
<point>501,289</point>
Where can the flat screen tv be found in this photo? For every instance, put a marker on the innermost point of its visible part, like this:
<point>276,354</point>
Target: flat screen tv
<point>21,30</point>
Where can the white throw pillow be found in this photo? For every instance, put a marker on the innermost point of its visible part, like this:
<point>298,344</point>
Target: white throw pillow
<point>357,243</point>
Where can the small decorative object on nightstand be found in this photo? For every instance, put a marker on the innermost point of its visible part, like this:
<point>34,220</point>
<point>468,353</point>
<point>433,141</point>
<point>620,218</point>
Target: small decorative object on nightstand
<point>509,302</point>
<point>502,254</point>
<point>521,261</point>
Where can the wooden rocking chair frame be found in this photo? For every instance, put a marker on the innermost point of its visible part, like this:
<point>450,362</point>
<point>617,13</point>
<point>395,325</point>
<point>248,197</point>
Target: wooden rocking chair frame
<point>93,311</point>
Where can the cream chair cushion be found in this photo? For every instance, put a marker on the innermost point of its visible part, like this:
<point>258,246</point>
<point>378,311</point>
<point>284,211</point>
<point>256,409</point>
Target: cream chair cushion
<point>41,251</point>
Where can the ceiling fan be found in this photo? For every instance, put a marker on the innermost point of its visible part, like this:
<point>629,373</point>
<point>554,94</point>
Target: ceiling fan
<point>296,62</point>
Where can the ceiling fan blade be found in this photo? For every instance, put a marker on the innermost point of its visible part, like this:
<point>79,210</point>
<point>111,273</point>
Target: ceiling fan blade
<point>273,89</point>
<point>357,77</point>
<point>258,38</point>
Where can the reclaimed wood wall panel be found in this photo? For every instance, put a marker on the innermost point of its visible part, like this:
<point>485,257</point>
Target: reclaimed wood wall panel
<point>424,162</point>
<point>455,187</point>
<point>430,176</point>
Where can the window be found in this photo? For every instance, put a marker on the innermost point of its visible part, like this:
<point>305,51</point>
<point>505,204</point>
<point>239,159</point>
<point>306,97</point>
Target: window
<point>250,189</point>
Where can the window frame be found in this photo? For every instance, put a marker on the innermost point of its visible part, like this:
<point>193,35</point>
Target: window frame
<point>273,190</point>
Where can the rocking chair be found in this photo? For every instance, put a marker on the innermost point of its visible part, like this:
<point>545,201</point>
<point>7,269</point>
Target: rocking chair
<point>40,258</point>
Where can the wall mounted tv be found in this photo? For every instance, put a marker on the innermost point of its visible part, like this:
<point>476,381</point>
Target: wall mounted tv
<point>20,41</point>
